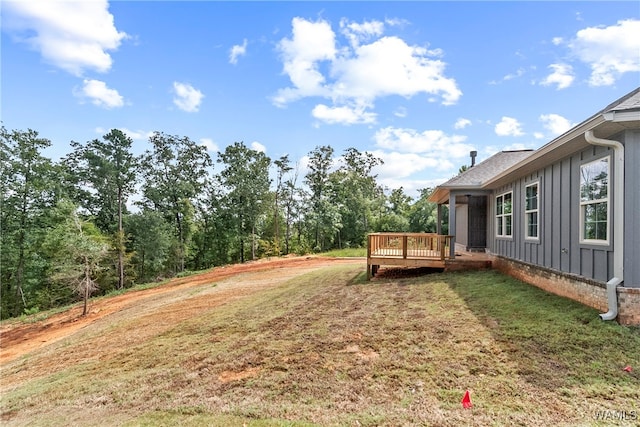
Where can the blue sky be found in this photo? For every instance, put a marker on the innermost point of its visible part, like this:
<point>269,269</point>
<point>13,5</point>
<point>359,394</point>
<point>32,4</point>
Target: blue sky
<point>419,84</point>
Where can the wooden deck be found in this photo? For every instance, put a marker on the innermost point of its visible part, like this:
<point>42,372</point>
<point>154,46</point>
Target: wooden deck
<point>417,250</point>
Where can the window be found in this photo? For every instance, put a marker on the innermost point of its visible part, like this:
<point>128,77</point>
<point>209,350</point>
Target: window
<point>594,201</point>
<point>531,211</point>
<point>504,208</point>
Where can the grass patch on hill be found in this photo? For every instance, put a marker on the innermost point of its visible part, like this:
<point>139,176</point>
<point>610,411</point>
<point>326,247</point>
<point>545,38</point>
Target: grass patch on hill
<point>330,348</point>
<point>346,253</point>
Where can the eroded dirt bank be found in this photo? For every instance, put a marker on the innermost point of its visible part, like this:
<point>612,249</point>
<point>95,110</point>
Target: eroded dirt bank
<point>20,338</point>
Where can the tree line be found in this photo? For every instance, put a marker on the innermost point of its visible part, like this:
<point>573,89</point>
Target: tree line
<point>102,219</point>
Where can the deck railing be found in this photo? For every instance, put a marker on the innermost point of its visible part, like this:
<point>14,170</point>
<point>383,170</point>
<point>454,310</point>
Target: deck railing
<point>409,245</point>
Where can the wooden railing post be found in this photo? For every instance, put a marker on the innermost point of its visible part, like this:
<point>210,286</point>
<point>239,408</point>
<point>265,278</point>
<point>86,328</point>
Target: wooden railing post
<point>404,246</point>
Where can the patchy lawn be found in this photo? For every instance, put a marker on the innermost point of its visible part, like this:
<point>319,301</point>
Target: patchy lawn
<point>321,346</point>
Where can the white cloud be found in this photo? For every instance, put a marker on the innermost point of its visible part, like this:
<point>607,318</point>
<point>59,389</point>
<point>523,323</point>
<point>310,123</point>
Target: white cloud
<point>311,43</point>
<point>462,123</point>
<point>357,33</point>
<point>429,142</point>
<point>72,35</point>
<point>354,75</point>
<point>562,76</point>
<point>519,73</point>
<point>237,51</point>
<point>209,144</point>
<point>401,165</point>
<point>389,66</point>
<point>343,115</point>
<point>137,135</point>
<point>555,124</point>
<point>412,187</point>
<point>99,94</point>
<point>511,76</point>
<point>400,112</point>
<point>609,51</point>
<point>509,126</point>
<point>187,98</point>
<point>255,145</point>
<point>516,146</point>
<point>403,169</point>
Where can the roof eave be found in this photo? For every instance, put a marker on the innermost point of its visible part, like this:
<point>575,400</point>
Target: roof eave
<point>441,194</point>
<point>622,116</point>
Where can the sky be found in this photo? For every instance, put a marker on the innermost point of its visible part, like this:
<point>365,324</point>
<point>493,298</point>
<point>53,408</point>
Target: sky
<point>419,84</point>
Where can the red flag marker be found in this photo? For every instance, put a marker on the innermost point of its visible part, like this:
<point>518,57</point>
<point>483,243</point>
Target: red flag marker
<point>627,368</point>
<point>466,400</point>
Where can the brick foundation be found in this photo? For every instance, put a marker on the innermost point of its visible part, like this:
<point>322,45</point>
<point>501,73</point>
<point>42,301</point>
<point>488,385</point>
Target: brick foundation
<point>629,306</point>
<point>577,288</point>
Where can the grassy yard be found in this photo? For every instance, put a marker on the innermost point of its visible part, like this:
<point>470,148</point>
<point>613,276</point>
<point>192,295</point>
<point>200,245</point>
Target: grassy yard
<point>330,348</point>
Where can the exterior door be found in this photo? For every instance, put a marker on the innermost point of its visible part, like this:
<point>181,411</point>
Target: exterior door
<point>477,222</point>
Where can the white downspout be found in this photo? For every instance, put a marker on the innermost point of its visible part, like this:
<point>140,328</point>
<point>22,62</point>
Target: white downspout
<point>618,222</point>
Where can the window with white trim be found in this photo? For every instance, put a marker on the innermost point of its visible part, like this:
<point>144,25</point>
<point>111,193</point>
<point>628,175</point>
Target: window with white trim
<point>594,201</point>
<point>504,215</point>
<point>531,209</point>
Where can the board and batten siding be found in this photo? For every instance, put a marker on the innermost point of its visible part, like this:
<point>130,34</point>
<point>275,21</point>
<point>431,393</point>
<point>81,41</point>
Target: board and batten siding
<point>558,246</point>
<point>632,209</point>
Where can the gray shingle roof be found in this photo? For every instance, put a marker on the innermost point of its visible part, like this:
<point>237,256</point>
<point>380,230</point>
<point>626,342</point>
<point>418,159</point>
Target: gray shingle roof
<point>487,169</point>
<point>631,103</point>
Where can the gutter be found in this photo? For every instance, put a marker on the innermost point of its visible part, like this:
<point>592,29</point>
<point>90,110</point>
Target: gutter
<point>618,222</point>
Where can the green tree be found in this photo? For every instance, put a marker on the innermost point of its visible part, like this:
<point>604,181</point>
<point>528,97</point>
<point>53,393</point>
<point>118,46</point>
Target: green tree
<point>400,202</point>
<point>28,191</point>
<point>293,205</point>
<point>396,215</point>
<point>213,236</point>
<point>423,216</point>
<point>324,215</point>
<point>106,172</point>
<point>150,238</point>
<point>283,167</point>
<point>77,249</point>
<point>246,178</point>
<point>175,171</point>
<point>354,192</point>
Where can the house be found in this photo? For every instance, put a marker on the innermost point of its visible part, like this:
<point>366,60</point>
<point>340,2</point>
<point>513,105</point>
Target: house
<point>565,217</point>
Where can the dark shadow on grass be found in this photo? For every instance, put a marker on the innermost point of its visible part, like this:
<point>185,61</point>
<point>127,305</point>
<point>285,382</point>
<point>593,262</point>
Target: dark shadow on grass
<point>555,341</point>
<point>405,272</point>
<point>358,279</point>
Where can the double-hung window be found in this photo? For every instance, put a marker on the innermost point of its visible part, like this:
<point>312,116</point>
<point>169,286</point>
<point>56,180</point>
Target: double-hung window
<point>531,209</point>
<point>594,201</point>
<point>504,215</point>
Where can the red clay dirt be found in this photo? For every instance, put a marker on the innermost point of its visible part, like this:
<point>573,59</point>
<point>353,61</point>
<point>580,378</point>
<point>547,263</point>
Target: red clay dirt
<point>18,338</point>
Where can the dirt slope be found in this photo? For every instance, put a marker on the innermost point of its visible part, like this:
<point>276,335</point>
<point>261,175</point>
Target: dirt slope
<point>19,338</point>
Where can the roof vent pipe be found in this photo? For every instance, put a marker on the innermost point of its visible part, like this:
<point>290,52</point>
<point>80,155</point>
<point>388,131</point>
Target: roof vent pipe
<point>618,221</point>
<point>473,155</point>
